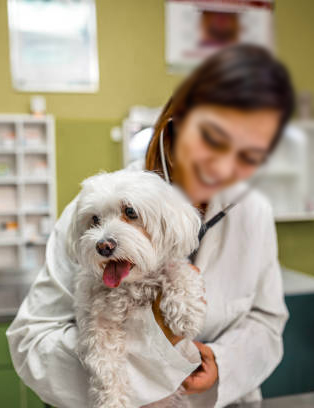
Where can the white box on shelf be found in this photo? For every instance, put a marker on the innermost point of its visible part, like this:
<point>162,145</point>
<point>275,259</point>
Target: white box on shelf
<point>35,165</point>
<point>34,135</point>
<point>7,166</point>
<point>35,196</point>
<point>8,227</point>
<point>8,195</point>
<point>9,256</point>
<point>7,135</point>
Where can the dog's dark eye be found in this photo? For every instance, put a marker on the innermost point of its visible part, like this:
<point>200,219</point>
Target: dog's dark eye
<point>130,213</point>
<point>96,220</point>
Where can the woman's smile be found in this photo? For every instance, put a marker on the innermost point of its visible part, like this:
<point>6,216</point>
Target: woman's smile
<point>207,180</point>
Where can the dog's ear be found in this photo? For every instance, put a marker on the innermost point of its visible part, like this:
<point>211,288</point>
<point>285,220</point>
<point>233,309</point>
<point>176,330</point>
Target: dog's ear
<point>76,227</point>
<point>73,235</point>
<point>180,224</point>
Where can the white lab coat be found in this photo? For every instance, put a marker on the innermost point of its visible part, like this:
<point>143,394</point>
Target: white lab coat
<point>244,324</point>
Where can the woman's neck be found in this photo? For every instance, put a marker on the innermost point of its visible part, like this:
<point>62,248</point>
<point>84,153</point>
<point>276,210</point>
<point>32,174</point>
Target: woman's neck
<point>202,208</point>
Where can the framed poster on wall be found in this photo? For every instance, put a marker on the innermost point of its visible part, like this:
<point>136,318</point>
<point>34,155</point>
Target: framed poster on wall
<point>197,28</point>
<point>53,45</point>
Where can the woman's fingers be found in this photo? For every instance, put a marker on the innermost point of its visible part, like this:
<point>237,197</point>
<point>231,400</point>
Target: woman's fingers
<point>197,382</point>
<point>205,376</point>
<point>206,352</point>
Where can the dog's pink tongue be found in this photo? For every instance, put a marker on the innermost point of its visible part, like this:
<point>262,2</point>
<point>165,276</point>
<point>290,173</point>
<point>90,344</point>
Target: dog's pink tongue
<point>114,272</point>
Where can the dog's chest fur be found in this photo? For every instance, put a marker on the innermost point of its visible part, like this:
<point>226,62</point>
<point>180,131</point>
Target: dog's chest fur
<point>119,303</point>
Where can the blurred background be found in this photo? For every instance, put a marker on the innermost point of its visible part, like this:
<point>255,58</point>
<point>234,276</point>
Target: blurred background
<point>81,84</point>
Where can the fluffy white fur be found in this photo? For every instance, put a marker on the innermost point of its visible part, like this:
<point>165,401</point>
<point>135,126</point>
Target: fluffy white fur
<point>157,244</point>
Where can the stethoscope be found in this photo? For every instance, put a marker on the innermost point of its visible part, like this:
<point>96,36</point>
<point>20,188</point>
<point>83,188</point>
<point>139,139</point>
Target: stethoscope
<point>217,217</point>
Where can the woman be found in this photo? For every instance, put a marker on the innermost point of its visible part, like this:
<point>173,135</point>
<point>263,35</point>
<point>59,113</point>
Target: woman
<point>219,128</point>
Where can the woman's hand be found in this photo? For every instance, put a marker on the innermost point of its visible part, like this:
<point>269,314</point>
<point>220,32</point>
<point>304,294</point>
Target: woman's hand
<point>205,376</point>
<point>159,318</point>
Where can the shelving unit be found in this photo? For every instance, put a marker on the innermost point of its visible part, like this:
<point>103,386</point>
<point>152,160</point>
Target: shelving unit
<point>27,189</point>
<point>287,180</point>
<point>308,127</point>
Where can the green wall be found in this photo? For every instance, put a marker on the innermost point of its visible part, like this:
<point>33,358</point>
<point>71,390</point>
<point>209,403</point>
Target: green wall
<point>296,245</point>
<point>133,71</point>
<point>131,57</point>
<point>83,148</point>
<point>295,36</point>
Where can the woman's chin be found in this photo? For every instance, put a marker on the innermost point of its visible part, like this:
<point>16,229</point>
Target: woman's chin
<point>203,196</point>
<point>201,193</point>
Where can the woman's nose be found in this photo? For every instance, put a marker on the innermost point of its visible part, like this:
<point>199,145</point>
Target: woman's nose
<point>106,247</point>
<point>225,166</point>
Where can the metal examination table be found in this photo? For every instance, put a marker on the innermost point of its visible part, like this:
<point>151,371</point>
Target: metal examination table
<point>293,401</point>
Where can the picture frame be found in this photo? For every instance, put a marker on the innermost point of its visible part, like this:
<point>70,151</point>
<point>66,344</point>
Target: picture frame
<point>47,56</point>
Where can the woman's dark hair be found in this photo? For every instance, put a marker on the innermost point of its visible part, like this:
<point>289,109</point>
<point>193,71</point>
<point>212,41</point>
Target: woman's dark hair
<point>245,77</point>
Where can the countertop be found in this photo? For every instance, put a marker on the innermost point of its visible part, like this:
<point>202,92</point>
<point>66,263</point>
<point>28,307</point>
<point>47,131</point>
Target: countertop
<point>297,283</point>
<point>292,401</point>
<point>14,286</point>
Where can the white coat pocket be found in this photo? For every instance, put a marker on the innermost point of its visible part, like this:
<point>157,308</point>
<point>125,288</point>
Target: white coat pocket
<point>222,314</point>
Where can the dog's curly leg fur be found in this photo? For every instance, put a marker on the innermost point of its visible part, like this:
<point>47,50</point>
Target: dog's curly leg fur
<point>101,348</point>
<point>182,304</point>
<point>184,309</point>
<point>102,340</point>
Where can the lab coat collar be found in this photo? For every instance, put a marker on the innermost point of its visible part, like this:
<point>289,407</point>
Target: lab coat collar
<point>209,247</point>
<point>212,242</point>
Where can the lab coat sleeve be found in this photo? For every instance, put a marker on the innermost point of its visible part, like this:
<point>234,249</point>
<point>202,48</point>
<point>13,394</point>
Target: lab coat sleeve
<point>43,336</point>
<point>250,349</point>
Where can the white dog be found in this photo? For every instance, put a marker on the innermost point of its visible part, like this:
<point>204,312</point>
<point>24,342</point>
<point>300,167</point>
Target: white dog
<point>130,234</point>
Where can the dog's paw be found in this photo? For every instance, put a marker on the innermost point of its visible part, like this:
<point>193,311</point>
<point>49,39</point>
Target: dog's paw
<point>183,304</point>
<point>188,320</point>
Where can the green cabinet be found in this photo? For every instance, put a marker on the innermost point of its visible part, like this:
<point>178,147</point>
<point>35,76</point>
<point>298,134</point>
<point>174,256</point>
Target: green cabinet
<point>10,389</point>
<point>13,393</point>
<point>295,373</point>
<point>5,359</point>
<point>32,400</point>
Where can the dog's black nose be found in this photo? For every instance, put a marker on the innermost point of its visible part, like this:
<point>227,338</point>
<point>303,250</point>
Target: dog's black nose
<point>106,247</point>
